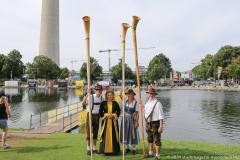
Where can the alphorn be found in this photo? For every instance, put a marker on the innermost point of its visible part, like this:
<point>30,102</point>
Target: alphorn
<point>125,27</point>
<point>135,21</point>
<point>86,22</point>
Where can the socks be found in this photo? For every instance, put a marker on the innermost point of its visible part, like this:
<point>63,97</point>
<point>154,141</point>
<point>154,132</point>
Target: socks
<point>94,148</point>
<point>134,147</point>
<point>150,153</point>
<point>158,156</point>
<point>88,148</point>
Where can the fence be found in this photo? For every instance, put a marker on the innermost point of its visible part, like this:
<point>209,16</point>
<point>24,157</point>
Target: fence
<point>51,116</point>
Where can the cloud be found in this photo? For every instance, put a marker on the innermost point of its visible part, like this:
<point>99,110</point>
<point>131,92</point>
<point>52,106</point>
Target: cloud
<point>184,30</point>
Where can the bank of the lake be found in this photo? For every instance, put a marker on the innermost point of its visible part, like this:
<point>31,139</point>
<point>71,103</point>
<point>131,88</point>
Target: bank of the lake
<point>196,115</point>
<point>64,146</point>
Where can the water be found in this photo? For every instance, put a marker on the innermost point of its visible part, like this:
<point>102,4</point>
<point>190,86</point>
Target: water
<point>25,102</point>
<point>201,115</point>
<point>197,115</point>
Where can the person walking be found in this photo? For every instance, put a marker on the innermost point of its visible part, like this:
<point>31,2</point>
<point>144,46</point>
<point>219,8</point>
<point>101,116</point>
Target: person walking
<point>153,114</point>
<point>5,113</point>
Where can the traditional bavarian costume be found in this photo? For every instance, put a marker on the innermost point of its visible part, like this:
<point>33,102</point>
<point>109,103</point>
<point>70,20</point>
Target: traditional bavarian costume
<point>153,113</point>
<point>95,106</point>
<point>109,136</point>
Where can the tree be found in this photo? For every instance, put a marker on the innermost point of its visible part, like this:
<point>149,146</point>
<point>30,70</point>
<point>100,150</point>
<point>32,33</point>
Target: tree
<point>64,73</point>
<point>43,67</point>
<point>206,68</point>
<point>224,57</point>
<point>234,68</point>
<point>159,67</point>
<point>2,61</point>
<point>95,70</point>
<point>198,71</point>
<point>117,72</point>
<point>13,66</point>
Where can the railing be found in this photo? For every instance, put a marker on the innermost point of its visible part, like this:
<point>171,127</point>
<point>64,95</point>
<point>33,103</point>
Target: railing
<point>80,119</point>
<point>53,115</point>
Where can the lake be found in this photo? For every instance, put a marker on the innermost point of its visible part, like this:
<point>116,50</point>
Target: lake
<point>196,115</point>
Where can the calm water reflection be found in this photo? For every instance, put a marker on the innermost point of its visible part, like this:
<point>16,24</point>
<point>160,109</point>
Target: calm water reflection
<point>202,115</point>
<point>190,114</point>
<point>25,102</point>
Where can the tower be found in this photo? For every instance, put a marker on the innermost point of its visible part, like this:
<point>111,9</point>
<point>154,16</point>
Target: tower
<point>49,34</point>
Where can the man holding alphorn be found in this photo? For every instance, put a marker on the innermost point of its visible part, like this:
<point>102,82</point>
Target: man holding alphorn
<point>96,100</point>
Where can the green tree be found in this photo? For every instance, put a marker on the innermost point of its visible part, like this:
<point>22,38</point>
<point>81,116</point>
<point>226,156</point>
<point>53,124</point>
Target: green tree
<point>117,72</point>
<point>159,67</point>
<point>43,67</point>
<point>206,68</point>
<point>95,70</point>
<point>224,57</point>
<point>225,54</point>
<point>198,71</point>
<point>64,73</point>
<point>2,60</point>
<point>13,66</point>
<point>234,69</point>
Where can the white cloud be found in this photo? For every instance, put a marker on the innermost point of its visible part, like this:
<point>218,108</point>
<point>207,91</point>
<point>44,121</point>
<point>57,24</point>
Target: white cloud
<point>184,30</point>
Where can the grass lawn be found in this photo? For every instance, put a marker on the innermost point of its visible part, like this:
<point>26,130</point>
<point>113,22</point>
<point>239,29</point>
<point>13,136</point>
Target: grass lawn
<point>72,147</point>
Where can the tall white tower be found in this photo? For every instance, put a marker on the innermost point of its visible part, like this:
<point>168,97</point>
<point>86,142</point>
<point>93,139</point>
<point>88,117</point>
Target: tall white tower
<point>49,34</point>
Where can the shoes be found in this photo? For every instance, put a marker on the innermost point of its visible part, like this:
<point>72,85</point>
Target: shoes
<point>148,156</point>
<point>127,150</point>
<point>88,152</point>
<point>95,151</point>
<point>156,158</point>
<point>133,152</point>
<point>5,146</point>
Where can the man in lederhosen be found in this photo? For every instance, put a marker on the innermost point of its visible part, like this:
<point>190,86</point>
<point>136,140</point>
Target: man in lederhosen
<point>153,114</point>
<point>96,100</point>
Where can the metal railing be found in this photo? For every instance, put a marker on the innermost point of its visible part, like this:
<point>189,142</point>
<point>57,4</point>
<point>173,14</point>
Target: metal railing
<point>70,122</point>
<point>47,117</point>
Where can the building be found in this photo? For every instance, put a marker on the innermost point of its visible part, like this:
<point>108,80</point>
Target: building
<point>187,75</point>
<point>142,71</point>
<point>106,75</point>
<point>49,34</point>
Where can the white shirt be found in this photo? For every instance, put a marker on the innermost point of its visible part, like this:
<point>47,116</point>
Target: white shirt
<point>132,105</point>
<point>158,110</point>
<point>97,99</point>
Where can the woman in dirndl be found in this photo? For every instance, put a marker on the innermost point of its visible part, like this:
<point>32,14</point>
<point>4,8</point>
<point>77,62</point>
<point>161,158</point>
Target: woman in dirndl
<point>131,123</point>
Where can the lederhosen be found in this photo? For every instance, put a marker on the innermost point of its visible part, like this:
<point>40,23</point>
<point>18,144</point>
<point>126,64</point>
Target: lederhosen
<point>95,120</point>
<point>152,129</point>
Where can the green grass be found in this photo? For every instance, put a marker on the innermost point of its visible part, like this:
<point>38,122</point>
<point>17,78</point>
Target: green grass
<point>72,147</point>
<point>14,129</point>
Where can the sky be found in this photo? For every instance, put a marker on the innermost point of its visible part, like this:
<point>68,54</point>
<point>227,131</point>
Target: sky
<point>184,30</point>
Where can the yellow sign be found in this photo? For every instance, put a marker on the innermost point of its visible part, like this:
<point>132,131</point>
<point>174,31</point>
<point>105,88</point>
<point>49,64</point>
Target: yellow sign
<point>79,92</point>
<point>82,118</point>
<point>79,83</point>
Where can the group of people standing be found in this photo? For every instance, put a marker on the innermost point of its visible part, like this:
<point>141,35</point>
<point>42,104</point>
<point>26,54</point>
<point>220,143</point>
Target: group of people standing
<point>106,111</point>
